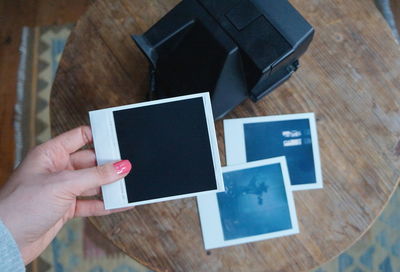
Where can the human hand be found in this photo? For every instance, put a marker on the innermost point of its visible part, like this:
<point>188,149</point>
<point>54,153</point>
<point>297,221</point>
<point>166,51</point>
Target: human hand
<point>41,195</point>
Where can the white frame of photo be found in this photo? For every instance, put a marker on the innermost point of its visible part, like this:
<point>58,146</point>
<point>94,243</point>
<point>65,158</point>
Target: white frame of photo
<point>235,147</point>
<point>107,150</point>
<point>211,219</point>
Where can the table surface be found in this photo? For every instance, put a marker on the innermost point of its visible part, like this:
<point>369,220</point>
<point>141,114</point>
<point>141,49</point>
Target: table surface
<point>349,77</point>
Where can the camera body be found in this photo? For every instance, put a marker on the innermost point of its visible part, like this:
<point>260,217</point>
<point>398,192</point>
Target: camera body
<point>233,49</point>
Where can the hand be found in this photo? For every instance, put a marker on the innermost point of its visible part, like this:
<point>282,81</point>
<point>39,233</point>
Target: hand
<point>41,195</point>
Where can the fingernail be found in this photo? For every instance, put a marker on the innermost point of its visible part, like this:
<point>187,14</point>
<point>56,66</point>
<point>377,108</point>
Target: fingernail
<point>122,167</point>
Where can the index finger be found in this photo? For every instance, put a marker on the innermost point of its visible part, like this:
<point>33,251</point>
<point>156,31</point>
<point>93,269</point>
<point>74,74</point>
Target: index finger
<point>73,140</point>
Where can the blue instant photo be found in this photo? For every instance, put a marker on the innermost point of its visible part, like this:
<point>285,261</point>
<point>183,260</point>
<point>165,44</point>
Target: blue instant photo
<point>254,202</point>
<point>257,205</point>
<point>293,136</point>
<point>290,138</point>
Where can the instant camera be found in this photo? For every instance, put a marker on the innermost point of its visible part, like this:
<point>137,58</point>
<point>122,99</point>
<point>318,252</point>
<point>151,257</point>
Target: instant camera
<point>233,49</point>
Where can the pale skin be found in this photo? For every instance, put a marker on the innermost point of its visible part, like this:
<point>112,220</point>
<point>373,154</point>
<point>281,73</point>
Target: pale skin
<point>42,194</point>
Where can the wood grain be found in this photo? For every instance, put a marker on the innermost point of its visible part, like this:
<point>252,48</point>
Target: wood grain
<point>395,8</point>
<point>350,77</point>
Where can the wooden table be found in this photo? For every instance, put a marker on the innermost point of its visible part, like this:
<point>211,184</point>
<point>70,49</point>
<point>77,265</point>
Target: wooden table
<point>350,77</point>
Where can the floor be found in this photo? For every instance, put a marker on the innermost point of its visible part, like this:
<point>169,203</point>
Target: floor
<point>14,14</point>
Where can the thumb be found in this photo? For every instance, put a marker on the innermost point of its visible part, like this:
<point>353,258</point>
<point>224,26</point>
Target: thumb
<point>89,178</point>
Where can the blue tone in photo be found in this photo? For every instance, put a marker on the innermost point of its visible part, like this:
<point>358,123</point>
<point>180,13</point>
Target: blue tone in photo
<point>254,202</point>
<point>291,138</point>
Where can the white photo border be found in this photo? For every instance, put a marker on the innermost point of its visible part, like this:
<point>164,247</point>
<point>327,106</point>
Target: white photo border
<point>235,147</point>
<point>107,149</point>
<point>210,217</point>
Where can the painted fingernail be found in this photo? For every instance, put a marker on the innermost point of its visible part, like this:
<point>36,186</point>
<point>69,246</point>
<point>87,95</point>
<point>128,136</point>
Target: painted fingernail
<point>122,167</point>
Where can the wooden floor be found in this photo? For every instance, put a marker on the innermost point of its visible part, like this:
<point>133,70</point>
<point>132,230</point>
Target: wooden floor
<point>14,14</point>
<point>395,5</point>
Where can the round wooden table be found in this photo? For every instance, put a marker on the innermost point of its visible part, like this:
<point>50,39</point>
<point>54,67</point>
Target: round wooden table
<point>350,77</point>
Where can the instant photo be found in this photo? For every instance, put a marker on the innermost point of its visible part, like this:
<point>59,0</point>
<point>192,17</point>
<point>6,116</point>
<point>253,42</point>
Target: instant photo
<point>257,204</point>
<point>293,136</point>
<point>171,144</point>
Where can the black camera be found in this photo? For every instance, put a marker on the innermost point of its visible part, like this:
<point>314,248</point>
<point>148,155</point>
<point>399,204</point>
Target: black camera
<point>233,49</point>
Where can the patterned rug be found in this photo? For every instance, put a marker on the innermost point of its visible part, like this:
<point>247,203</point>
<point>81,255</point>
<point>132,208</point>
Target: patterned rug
<point>79,247</point>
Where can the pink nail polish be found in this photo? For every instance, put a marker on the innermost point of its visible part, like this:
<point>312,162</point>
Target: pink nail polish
<point>122,167</point>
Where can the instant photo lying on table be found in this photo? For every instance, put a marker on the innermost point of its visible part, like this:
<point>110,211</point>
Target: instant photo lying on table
<point>257,204</point>
<point>293,136</point>
<point>171,144</point>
